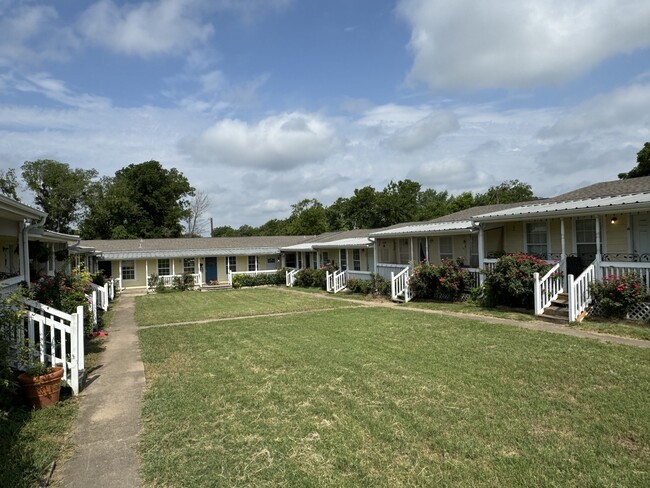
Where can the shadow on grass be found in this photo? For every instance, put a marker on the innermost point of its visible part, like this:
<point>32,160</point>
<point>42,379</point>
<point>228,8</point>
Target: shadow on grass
<point>29,439</point>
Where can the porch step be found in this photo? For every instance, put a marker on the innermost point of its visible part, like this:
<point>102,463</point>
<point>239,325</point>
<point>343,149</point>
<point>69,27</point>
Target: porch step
<point>220,286</point>
<point>557,311</point>
<point>555,319</point>
<point>562,300</point>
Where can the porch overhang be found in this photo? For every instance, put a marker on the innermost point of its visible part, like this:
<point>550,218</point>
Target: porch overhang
<point>592,206</point>
<point>463,227</point>
<point>351,243</point>
<point>13,210</point>
<point>44,235</point>
<point>188,253</point>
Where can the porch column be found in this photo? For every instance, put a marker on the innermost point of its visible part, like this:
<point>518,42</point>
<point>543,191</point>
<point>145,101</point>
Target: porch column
<point>598,249</point>
<point>562,240</point>
<point>375,256</point>
<point>347,259</point>
<point>23,251</point>
<point>120,266</point>
<point>412,254</point>
<point>426,248</point>
<point>146,268</point>
<point>481,250</point>
<point>317,260</point>
<point>173,267</point>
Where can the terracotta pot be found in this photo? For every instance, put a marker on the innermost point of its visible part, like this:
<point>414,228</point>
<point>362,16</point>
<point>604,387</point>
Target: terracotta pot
<point>41,391</point>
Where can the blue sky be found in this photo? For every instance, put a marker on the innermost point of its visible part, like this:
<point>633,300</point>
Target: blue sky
<point>262,103</point>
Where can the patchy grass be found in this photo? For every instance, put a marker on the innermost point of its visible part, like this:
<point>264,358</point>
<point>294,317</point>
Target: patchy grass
<point>169,308</point>
<point>473,308</point>
<point>622,328</point>
<point>377,397</point>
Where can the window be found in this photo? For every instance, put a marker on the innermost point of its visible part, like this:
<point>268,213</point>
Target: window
<point>164,269</point>
<point>252,263</point>
<point>189,265</point>
<point>128,270</point>
<point>356,259</point>
<point>446,248</point>
<point>404,253</point>
<point>473,252</point>
<point>290,260</point>
<point>422,247</point>
<point>344,259</point>
<point>326,257</point>
<point>586,240</point>
<point>536,239</point>
<point>231,264</point>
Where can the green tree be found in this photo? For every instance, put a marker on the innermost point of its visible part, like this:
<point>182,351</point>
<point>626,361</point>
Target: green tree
<point>9,184</point>
<point>398,202</point>
<point>274,227</point>
<point>432,204</point>
<point>362,209</point>
<point>642,167</point>
<point>338,213</point>
<point>462,201</point>
<point>224,231</point>
<point>59,191</point>
<point>510,191</point>
<point>142,200</point>
<point>308,217</point>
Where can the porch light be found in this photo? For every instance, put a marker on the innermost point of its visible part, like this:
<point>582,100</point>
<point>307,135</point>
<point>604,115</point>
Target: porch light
<point>614,219</point>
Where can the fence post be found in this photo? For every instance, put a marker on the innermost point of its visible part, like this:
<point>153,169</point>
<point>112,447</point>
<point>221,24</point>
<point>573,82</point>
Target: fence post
<point>538,295</point>
<point>572,299</point>
<point>392,286</point>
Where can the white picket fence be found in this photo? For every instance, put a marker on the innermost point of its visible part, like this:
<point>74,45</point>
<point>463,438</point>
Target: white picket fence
<point>103,295</point>
<point>168,281</point>
<point>579,293</point>
<point>58,339</point>
<point>548,287</point>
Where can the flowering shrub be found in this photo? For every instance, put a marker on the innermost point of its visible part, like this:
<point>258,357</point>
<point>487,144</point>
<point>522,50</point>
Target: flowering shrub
<point>311,278</point>
<point>615,295</point>
<point>448,279</point>
<point>511,281</point>
<point>65,293</point>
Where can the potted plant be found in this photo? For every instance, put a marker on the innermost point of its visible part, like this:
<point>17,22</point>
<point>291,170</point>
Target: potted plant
<point>41,384</point>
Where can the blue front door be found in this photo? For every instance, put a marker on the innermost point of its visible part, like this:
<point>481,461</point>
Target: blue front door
<point>210,269</point>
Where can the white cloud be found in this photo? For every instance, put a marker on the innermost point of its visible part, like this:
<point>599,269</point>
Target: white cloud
<point>57,90</point>
<point>30,34</point>
<point>276,142</point>
<point>145,29</point>
<point>625,107</point>
<point>474,44</point>
<point>446,172</point>
<point>423,132</point>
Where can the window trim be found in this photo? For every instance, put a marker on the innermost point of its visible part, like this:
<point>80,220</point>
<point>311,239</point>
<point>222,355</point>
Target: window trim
<point>451,247</point>
<point>548,237</point>
<point>169,266</point>
<point>231,264</point>
<point>356,259</point>
<point>188,269</point>
<point>122,263</point>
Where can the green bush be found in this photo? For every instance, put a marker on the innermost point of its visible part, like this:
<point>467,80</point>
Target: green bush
<point>511,281</point>
<point>264,279</point>
<point>311,278</point>
<point>183,282</point>
<point>615,295</point>
<point>380,285</point>
<point>356,285</point>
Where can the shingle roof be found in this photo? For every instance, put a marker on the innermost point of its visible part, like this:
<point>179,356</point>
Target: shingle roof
<point>606,189</point>
<point>185,247</point>
<point>358,236</point>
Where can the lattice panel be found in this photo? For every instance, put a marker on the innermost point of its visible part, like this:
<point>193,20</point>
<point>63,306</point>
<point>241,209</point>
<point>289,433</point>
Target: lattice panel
<point>638,311</point>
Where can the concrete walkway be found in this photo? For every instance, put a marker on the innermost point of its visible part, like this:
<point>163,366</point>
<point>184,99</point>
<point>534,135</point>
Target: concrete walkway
<point>108,422</point>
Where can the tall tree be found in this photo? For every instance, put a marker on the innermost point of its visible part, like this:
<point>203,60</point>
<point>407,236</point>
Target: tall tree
<point>308,217</point>
<point>398,202</point>
<point>642,167</point>
<point>59,190</point>
<point>432,204</point>
<point>195,224</point>
<point>9,184</point>
<point>510,191</point>
<point>142,200</point>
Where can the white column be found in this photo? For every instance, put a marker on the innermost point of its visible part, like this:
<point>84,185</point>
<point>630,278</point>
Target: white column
<point>598,249</point>
<point>562,239</point>
<point>375,257</point>
<point>173,267</point>
<point>426,247</point>
<point>120,266</point>
<point>481,248</point>
<point>411,248</point>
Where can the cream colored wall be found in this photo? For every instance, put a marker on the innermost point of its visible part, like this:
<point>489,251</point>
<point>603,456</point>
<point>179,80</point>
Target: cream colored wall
<point>617,235</point>
<point>513,238</point>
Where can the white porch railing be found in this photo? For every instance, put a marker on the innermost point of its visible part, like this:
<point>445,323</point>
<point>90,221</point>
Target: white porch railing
<point>358,275</point>
<point>249,273</point>
<point>336,281</point>
<point>168,280</point>
<point>117,285</point>
<point>489,264</point>
<point>474,277</point>
<point>92,300</point>
<point>58,338</point>
<point>579,293</point>
<point>385,270</point>
<point>547,288</point>
<point>618,269</point>
<point>10,285</point>
<point>399,285</point>
<point>291,277</point>
<point>102,295</point>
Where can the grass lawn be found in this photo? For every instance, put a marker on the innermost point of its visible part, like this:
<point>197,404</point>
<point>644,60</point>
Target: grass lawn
<point>168,308</point>
<point>384,397</point>
<point>624,328</point>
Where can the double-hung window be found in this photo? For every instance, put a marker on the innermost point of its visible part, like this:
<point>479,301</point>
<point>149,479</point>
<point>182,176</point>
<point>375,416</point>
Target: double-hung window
<point>356,259</point>
<point>231,264</point>
<point>537,239</point>
<point>344,259</point>
<point>164,268</point>
<point>252,263</point>
<point>446,248</point>
<point>128,270</point>
<point>189,265</point>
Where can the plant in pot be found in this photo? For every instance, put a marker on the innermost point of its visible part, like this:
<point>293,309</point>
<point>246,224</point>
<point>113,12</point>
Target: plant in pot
<point>40,383</point>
